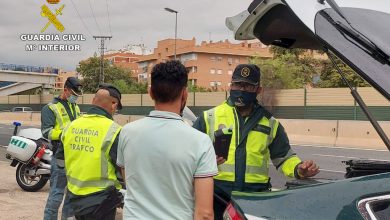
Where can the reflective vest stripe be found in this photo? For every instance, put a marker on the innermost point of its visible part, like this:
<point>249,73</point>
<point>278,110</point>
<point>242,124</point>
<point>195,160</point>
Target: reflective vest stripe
<point>271,135</point>
<point>211,123</point>
<point>58,115</point>
<point>249,169</point>
<point>107,142</point>
<point>91,183</point>
<point>261,170</point>
<point>278,161</point>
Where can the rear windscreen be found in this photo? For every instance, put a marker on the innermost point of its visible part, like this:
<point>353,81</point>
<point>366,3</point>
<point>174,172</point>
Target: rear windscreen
<point>371,24</point>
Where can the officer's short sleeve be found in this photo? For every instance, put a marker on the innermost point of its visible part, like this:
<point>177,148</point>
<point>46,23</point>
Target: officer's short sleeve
<point>121,146</point>
<point>200,124</point>
<point>206,160</point>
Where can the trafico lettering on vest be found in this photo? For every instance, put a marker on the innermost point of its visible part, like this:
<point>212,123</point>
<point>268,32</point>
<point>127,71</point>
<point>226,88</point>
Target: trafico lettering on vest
<point>82,147</point>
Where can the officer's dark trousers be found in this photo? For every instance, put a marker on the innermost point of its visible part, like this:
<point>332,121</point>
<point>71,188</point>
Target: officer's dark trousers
<point>107,216</point>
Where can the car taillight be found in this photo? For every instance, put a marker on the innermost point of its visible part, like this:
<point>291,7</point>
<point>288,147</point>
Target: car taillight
<point>231,213</point>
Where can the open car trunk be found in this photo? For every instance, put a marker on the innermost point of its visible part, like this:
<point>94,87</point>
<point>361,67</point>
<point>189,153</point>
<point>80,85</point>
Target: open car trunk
<point>309,24</point>
<point>348,29</point>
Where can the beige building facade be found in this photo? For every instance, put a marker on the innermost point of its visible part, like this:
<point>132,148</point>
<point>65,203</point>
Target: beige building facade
<point>210,64</point>
<point>125,60</point>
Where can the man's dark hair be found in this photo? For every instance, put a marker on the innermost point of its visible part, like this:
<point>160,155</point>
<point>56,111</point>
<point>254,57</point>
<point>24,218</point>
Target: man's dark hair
<point>168,81</point>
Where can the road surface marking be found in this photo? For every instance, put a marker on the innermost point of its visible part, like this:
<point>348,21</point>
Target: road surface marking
<point>344,148</point>
<point>333,171</point>
<point>328,155</point>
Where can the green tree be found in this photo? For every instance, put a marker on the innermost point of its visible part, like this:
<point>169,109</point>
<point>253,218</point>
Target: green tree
<point>295,68</point>
<point>195,88</point>
<point>289,69</point>
<point>330,78</point>
<point>120,77</point>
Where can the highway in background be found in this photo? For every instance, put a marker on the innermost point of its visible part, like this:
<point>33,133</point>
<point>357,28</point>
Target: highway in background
<point>328,158</point>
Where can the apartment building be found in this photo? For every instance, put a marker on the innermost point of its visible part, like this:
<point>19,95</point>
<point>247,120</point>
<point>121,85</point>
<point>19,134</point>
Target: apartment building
<point>210,64</point>
<point>125,60</point>
<point>61,78</point>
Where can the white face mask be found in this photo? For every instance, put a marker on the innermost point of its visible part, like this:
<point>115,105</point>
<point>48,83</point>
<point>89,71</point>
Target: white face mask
<point>72,99</point>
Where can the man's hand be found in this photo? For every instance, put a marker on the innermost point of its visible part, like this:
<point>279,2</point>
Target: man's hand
<point>220,160</point>
<point>307,169</point>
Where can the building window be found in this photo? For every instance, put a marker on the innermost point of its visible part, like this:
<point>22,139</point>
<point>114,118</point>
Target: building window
<point>212,58</point>
<point>212,71</point>
<point>237,60</point>
<point>219,58</point>
<point>230,72</point>
<point>219,83</point>
<point>219,71</point>
<point>229,84</point>
<point>212,83</point>
<point>230,60</point>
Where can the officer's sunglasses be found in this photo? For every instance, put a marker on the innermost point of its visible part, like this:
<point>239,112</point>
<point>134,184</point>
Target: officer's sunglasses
<point>243,86</point>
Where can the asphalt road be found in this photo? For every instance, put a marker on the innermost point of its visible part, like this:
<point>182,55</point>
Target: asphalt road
<point>328,158</point>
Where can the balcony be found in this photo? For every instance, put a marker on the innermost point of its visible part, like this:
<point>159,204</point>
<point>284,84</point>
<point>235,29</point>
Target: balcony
<point>190,63</point>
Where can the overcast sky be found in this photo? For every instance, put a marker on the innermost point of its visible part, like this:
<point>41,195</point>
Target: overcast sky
<point>132,22</point>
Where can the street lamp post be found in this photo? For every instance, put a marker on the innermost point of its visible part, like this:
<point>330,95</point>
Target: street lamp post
<point>173,11</point>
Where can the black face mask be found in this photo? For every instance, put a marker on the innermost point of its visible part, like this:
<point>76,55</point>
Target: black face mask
<point>242,98</point>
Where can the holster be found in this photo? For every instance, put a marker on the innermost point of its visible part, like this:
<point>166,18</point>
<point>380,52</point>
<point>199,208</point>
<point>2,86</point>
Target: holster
<point>113,200</point>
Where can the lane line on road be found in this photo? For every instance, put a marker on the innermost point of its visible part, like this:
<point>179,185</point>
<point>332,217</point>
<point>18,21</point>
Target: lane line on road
<point>329,155</point>
<point>333,171</point>
<point>343,148</point>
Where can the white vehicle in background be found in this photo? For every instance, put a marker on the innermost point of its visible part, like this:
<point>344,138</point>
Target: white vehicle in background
<point>21,109</point>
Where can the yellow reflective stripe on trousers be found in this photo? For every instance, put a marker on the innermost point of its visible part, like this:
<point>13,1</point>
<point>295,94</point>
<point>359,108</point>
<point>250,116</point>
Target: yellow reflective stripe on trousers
<point>211,123</point>
<point>106,144</point>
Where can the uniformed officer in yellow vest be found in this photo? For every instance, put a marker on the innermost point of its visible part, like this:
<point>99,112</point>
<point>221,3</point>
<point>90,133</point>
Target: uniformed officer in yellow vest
<point>256,138</point>
<point>89,152</point>
<point>55,116</point>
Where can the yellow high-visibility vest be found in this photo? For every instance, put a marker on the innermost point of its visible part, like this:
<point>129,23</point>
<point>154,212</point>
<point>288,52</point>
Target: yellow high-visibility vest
<point>257,151</point>
<point>62,119</point>
<point>87,142</point>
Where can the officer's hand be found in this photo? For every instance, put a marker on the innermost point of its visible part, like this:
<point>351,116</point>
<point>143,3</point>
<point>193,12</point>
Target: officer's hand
<point>308,169</point>
<point>220,160</point>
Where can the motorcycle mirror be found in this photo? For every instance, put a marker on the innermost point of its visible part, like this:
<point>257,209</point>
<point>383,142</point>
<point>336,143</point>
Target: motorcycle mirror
<point>17,124</point>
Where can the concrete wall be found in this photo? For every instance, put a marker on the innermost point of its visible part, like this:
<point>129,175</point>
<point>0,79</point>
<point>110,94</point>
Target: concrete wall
<point>333,133</point>
<point>287,97</point>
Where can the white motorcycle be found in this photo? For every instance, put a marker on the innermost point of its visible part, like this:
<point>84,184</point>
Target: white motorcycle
<point>30,151</point>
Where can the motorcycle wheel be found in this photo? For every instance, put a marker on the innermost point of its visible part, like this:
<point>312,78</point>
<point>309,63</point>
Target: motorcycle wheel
<point>29,183</point>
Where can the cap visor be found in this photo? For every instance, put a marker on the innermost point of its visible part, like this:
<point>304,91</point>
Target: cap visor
<point>77,92</point>
<point>246,81</point>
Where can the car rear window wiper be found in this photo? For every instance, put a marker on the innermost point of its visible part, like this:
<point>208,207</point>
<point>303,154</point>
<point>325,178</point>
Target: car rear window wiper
<point>368,45</point>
